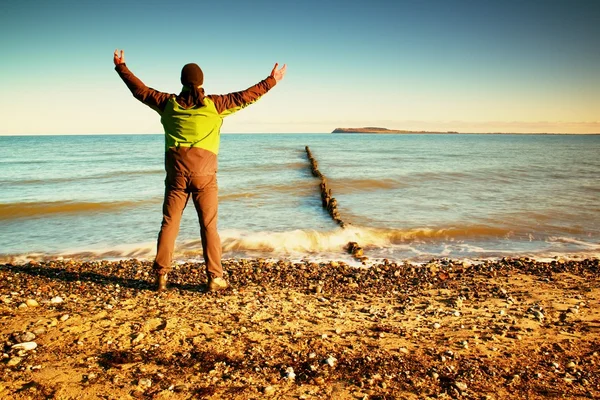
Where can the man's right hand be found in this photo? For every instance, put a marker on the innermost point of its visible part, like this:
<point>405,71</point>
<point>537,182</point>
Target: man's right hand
<point>119,59</point>
<point>278,74</point>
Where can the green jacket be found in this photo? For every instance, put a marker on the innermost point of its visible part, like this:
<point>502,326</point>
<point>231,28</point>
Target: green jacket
<point>192,135</point>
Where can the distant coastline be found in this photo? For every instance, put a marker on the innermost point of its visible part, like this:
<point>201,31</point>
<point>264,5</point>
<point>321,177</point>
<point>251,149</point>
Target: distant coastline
<point>374,129</point>
<point>379,130</point>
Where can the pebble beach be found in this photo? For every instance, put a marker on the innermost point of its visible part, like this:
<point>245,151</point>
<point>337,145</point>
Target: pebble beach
<point>510,328</point>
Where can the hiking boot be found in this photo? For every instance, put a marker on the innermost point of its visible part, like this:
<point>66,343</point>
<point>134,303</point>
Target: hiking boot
<point>216,284</point>
<point>161,282</point>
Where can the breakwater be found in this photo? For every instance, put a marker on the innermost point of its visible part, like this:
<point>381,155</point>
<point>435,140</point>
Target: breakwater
<point>330,204</point>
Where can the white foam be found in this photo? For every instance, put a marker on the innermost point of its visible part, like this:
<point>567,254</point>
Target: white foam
<point>555,239</point>
<point>417,245</point>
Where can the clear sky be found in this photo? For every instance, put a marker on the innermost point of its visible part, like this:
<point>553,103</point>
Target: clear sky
<point>471,66</point>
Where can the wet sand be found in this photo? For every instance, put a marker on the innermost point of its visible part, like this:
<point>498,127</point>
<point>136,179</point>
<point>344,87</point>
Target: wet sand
<point>507,329</point>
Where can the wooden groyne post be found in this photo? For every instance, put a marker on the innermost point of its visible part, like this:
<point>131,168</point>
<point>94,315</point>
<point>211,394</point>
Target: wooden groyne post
<point>330,204</point>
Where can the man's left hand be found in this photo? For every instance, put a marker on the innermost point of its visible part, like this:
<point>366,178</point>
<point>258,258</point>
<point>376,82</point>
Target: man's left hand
<point>119,59</point>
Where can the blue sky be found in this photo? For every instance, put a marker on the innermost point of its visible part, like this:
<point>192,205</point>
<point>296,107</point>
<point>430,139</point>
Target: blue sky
<point>472,66</point>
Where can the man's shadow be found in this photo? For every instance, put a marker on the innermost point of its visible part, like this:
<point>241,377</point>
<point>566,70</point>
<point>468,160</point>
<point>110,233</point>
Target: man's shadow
<point>64,275</point>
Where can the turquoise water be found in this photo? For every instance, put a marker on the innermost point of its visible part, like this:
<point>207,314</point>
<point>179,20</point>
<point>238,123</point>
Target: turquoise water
<point>407,197</point>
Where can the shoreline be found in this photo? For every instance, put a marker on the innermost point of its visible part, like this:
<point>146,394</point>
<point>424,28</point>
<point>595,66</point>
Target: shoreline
<point>510,328</point>
<point>345,258</point>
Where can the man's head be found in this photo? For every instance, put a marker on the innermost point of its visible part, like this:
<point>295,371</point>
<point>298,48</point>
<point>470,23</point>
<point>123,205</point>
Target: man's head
<point>191,75</point>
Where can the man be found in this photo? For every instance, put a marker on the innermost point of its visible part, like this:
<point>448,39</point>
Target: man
<point>192,123</point>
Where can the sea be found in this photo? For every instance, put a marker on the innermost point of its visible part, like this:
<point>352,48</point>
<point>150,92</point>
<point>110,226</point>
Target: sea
<point>404,197</point>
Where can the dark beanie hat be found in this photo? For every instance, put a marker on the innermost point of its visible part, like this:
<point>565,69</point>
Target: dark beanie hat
<point>191,75</point>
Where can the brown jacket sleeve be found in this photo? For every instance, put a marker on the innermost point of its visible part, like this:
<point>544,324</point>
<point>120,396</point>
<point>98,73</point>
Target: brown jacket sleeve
<point>229,103</point>
<point>150,97</point>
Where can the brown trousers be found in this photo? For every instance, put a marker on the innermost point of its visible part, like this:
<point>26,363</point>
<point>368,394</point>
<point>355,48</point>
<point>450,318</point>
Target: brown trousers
<point>204,193</point>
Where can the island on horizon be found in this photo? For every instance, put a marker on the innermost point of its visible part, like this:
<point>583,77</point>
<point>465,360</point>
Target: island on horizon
<point>374,129</point>
<point>379,130</point>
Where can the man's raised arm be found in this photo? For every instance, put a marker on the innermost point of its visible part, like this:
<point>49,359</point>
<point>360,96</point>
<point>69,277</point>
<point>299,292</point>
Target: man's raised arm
<point>151,97</point>
<point>229,103</point>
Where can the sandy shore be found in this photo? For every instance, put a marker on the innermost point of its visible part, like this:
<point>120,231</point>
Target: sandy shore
<point>508,329</point>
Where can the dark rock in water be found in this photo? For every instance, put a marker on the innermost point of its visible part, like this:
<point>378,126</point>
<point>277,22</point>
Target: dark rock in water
<point>332,203</point>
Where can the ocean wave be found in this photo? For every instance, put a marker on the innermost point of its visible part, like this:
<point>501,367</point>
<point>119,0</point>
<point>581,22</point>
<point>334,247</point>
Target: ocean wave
<point>39,209</point>
<point>266,167</point>
<point>348,186</point>
<point>414,245</point>
<point>312,241</point>
<point>75,179</point>
<point>293,188</point>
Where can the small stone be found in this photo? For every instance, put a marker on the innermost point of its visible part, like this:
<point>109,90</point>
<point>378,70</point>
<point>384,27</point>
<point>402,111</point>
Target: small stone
<point>145,383</point>
<point>403,350</point>
<point>290,374</point>
<point>56,300</point>
<point>312,355</point>
<point>90,377</point>
<point>334,264</point>
<point>330,361</point>
<point>64,317</point>
<point>319,380</point>
<point>32,303</point>
<point>461,386</point>
<point>39,331</point>
<point>26,346</point>
<point>27,337</point>
<point>22,305</point>
<point>437,325</point>
<point>571,365</point>
<point>179,388</point>
<point>138,338</point>
<point>268,390</point>
<point>456,313</point>
<point>338,331</point>
<point>538,315</point>
<point>14,361</point>
<point>435,375</point>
